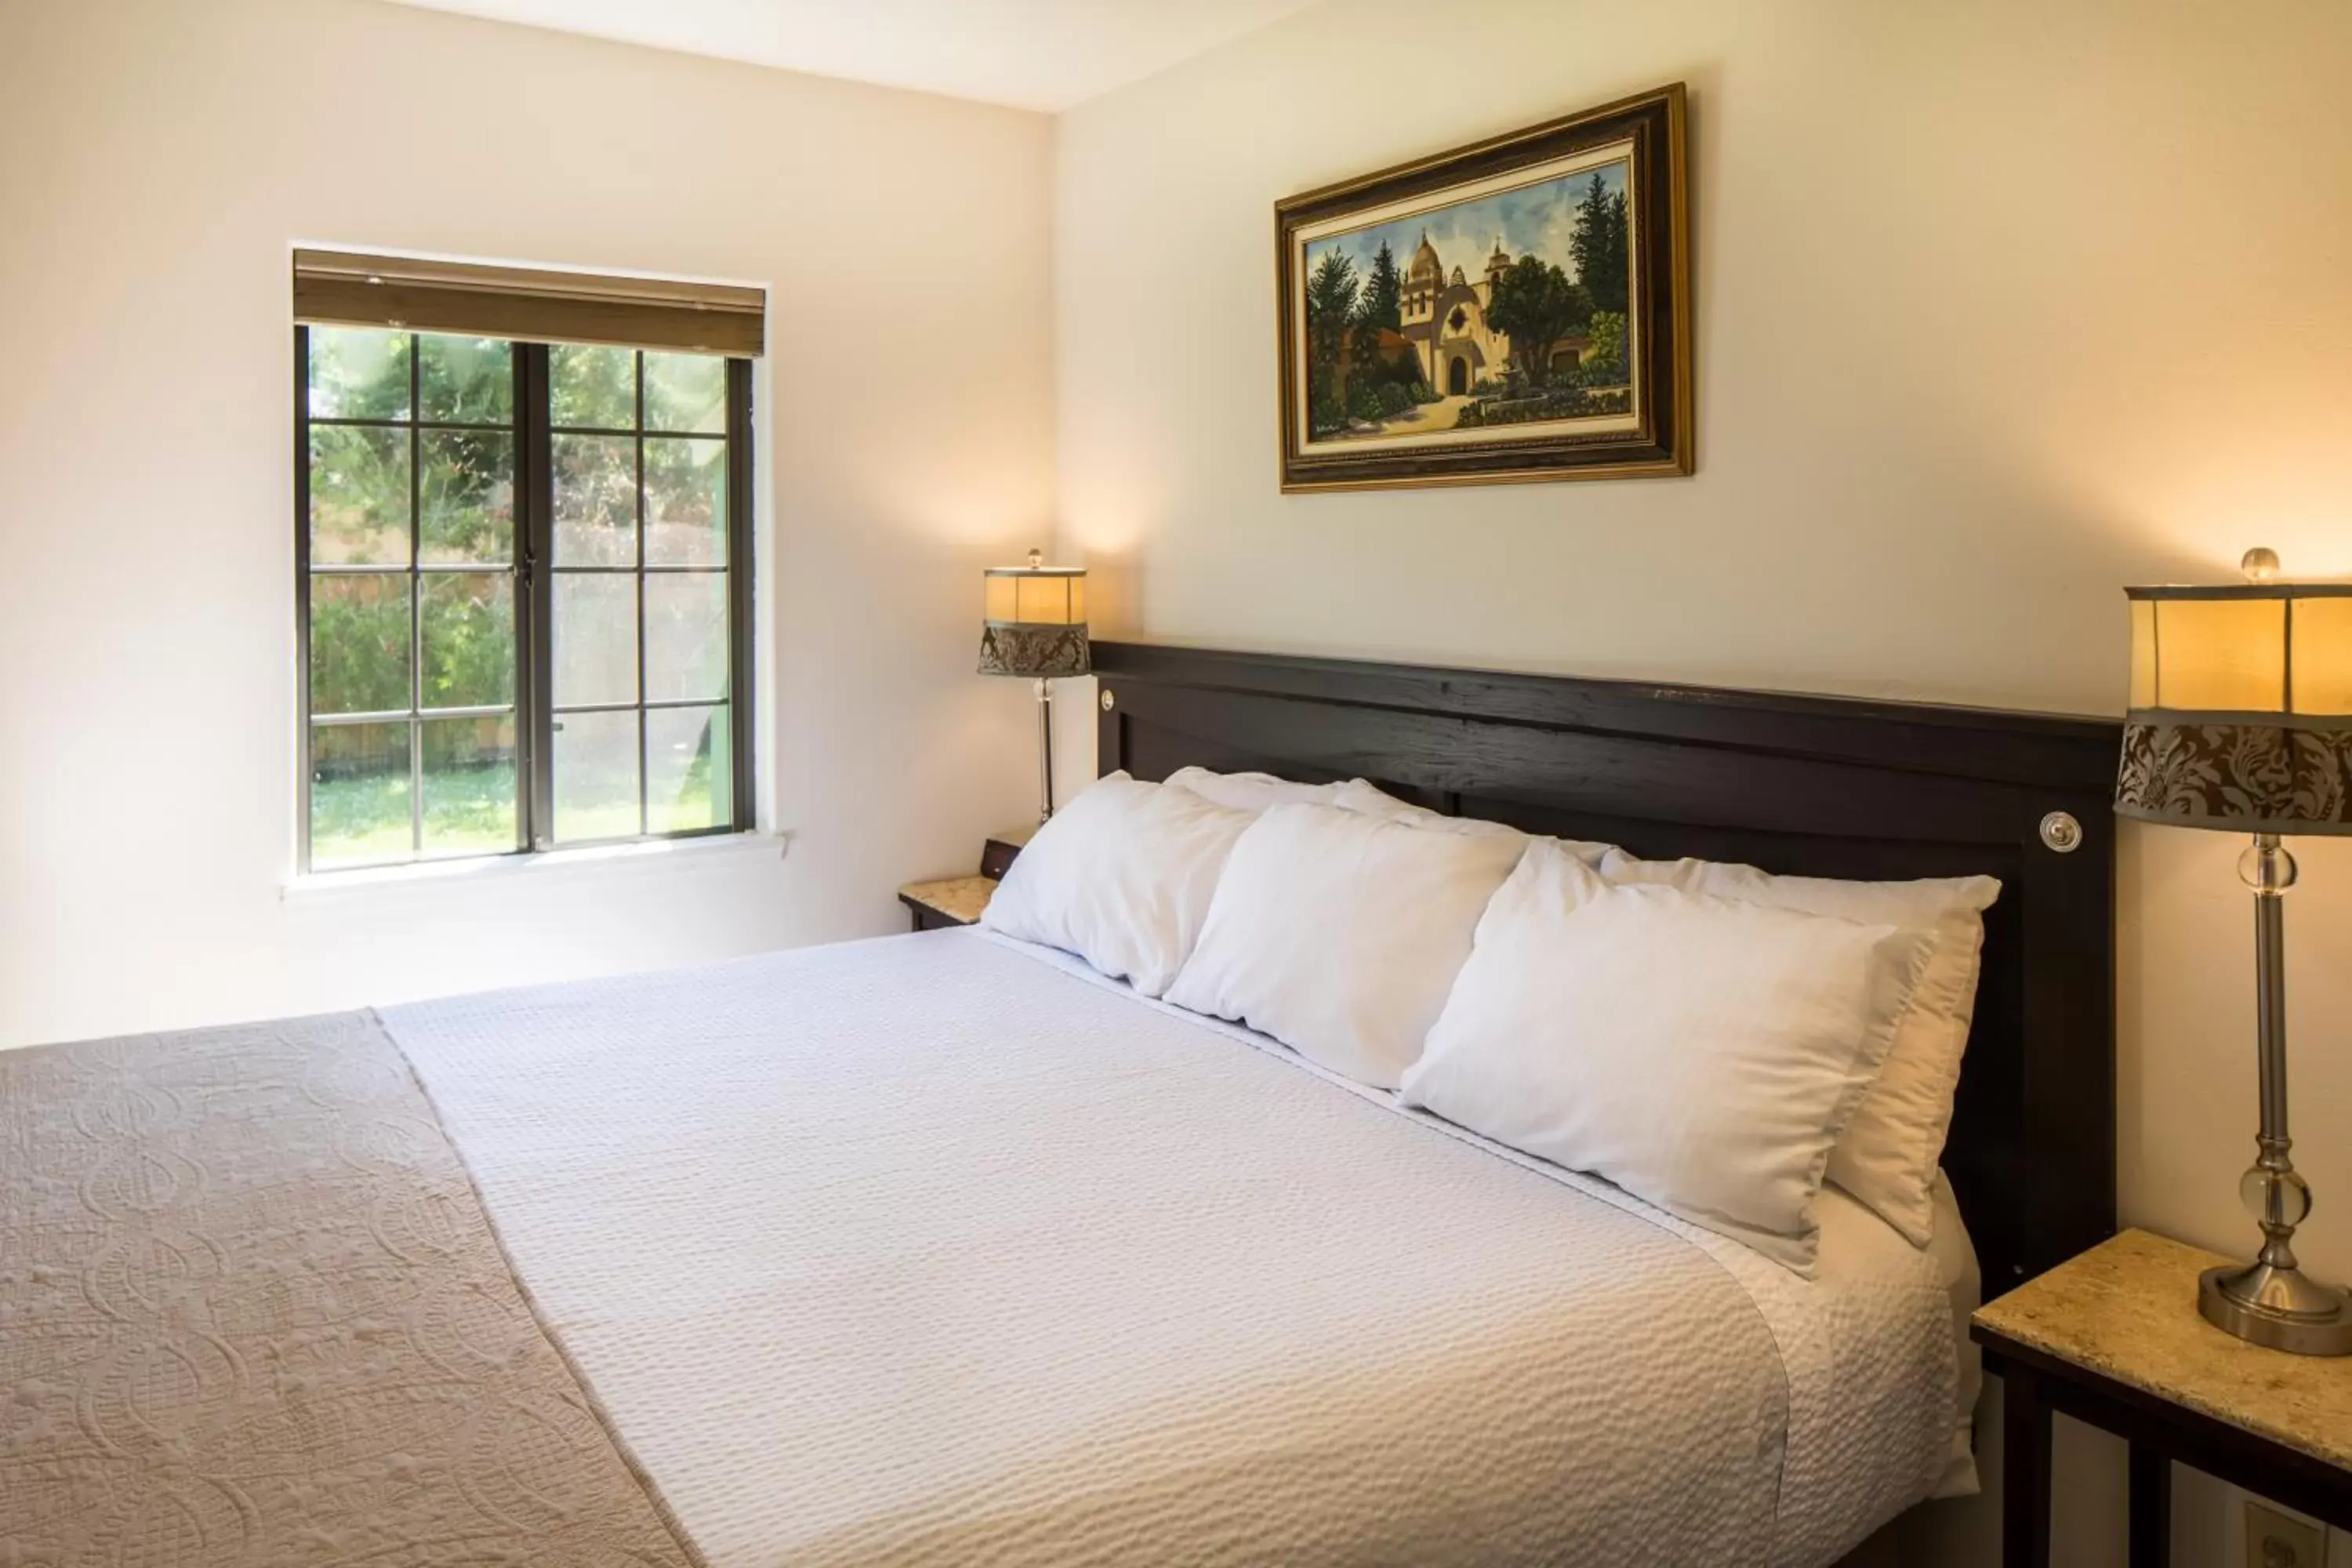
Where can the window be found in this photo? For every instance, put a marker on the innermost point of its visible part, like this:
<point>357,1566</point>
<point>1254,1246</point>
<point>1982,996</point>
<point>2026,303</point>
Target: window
<point>524,593</point>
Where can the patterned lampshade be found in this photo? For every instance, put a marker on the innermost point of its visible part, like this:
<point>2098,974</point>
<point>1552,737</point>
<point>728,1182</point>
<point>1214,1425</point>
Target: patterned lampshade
<point>1037,621</point>
<point>2240,711</point>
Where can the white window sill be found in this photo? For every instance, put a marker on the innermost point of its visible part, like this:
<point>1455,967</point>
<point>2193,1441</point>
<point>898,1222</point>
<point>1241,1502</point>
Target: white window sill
<point>561,864</point>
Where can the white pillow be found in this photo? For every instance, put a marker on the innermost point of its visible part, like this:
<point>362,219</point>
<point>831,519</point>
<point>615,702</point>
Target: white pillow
<point>1888,1155</point>
<point>1252,792</point>
<point>1340,933</point>
<point>1358,796</point>
<point>1701,1053</point>
<point>1122,877</point>
<point>1257,792</point>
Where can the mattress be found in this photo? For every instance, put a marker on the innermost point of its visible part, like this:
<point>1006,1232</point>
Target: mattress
<point>942,1250</point>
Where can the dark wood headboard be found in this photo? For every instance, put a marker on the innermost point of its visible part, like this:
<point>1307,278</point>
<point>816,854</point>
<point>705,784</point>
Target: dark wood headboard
<point>1822,787</point>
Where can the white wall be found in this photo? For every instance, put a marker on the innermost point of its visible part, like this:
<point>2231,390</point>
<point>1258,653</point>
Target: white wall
<point>156,161</point>
<point>2002,305</point>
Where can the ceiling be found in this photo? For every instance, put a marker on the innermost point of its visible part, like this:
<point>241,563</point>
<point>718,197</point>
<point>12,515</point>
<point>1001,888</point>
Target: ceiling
<point>1033,54</point>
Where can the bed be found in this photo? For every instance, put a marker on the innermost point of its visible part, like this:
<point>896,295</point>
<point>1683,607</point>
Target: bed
<point>944,1248</point>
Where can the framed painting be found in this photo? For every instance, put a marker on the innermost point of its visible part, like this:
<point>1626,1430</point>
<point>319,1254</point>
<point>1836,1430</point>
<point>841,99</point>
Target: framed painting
<point>1511,312</point>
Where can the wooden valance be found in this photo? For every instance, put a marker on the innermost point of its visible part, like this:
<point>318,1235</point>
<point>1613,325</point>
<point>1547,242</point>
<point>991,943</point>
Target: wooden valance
<point>335,287</point>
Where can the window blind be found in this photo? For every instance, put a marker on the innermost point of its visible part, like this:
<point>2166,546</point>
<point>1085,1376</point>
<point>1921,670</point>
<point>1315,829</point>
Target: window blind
<point>345,288</point>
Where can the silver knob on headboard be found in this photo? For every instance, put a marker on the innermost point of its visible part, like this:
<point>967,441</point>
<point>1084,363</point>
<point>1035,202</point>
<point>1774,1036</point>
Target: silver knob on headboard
<point>2062,832</point>
<point>1109,701</point>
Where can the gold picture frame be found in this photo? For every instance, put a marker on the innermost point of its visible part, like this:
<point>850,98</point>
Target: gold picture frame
<point>1539,327</point>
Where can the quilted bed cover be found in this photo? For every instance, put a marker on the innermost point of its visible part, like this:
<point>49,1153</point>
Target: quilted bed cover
<point>939,1249</point>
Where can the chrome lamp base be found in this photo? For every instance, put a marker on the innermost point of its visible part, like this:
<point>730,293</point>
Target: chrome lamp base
<point>1044,752</point>
<point>2283,1308</point>
<point>2271,1301</point>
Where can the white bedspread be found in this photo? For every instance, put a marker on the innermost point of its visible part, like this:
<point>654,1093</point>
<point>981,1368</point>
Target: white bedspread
<point>927,1250</point>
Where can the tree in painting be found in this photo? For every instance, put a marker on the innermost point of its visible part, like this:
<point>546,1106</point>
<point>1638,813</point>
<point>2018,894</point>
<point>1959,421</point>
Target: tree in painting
<point>1535,305</point>
<point>1600,244</point>
<point>1383,292</point>
<point>1331,314</point>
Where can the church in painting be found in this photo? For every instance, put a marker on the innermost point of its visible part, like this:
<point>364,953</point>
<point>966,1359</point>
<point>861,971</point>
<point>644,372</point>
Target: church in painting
<point>1445,320</point>
<point>1444,316</point>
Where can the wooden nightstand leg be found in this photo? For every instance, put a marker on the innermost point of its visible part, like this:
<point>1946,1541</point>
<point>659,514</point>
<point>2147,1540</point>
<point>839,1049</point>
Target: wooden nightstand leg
<point>2024,1472</point>
<point>2151,1508</point>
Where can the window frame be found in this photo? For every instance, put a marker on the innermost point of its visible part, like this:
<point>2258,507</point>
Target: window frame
<point>532,578</point>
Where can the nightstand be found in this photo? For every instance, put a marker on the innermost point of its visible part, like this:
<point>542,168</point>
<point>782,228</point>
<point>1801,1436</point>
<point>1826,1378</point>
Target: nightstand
<point>959,900</point>
<point>951,901</point>
<point>2113,1338</point>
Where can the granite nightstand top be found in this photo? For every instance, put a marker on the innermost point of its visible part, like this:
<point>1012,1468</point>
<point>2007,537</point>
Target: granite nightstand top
<point>2128,1310</point>
<point>957,897</point>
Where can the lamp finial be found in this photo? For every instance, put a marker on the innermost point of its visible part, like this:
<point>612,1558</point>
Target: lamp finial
<point>1037,558</point>
<point>2260,564</point>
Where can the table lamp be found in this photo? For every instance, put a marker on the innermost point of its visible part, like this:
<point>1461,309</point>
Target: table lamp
<point>2241,719</point>
<point>1037,628</point>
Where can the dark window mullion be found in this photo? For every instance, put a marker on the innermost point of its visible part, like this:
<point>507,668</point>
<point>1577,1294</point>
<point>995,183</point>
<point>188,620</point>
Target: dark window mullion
<point>519,587</point>
<point>712,436</point>
<point>387,716</point>
<point>651,569</point>
<point>662,706</point>
<point>537,488</point>
<point>415,605</point>
<point>357,422</point>
<point>740,630</point>
<point>302,588</point>
<point>645,770</point>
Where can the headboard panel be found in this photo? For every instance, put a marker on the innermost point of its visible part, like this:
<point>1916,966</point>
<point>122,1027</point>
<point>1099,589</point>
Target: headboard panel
<point>1822,787</point>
